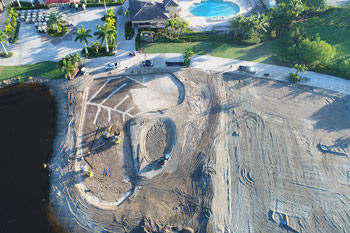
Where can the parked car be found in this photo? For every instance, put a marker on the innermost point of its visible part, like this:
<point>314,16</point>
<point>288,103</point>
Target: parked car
<point>82,70</point>
<point>111,65</point>
<point>246,69</point>
<point>147,63</point>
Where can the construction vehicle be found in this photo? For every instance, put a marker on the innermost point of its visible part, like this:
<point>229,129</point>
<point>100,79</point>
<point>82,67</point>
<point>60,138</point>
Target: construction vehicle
<point>107,133</point>
<point>163,159</point>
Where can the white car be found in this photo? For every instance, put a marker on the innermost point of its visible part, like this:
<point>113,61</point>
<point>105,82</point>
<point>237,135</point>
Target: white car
<point>111,66</point>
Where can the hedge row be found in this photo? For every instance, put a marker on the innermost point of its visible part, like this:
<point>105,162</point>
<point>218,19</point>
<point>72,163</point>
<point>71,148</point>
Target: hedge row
<point>129,31</point>
<point>15,35</point>
<point>101,52</point>
<point>3,54</point>
<point>333,72</point>
<point>137,41</point>
<point>27,6</point>
<point>208,37</point>
<point>119,2</point>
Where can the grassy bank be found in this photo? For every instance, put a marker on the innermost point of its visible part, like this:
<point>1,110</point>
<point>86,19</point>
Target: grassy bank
<point>42,69</point>
<point>257,53</point>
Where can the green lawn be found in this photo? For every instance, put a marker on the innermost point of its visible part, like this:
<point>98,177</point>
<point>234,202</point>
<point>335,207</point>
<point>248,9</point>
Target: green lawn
<point>255,53</point>
<point>332,27</point>
<point>42,69</point>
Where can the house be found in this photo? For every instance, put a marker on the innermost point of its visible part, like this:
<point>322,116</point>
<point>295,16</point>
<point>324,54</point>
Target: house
<point>152,13</point>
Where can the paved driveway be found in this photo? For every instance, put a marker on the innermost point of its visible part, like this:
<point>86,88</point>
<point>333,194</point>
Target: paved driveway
<point>33,47</point>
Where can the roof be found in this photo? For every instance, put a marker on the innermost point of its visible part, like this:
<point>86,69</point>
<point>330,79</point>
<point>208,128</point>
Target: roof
<point>170,3</point>
<point>143,10</point>
<point>47,2</point>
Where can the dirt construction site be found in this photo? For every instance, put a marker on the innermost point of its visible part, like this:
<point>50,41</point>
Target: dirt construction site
<point>245,154</point>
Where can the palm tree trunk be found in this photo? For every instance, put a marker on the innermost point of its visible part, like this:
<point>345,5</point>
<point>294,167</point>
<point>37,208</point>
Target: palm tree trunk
<point>4,49</point>
<point>86,51</point>
<point>19,4</point>
<point>107,50</point>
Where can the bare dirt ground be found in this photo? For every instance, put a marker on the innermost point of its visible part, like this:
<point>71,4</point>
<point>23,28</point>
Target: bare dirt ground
<point>246,155</point>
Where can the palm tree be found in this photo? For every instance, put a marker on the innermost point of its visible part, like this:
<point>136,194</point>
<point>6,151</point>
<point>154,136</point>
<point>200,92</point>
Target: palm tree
<point>96,45</point>
<point>3,39</point>
<point>67,68</point>
<point>12,14</point>
<point>9,29</point>
<point>236,24</point>
<point>69,65</point>
<point>19,4</point>
<point>82,35</point>
<point>262,22</point>
<point>55,21</point>
<point>106,34</point>
<point>76,59</point>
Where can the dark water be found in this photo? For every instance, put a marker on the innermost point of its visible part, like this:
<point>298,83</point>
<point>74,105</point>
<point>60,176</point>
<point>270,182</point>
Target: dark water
<point>27,129</point>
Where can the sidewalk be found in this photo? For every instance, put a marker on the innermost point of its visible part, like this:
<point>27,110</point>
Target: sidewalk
<point>217,64</point>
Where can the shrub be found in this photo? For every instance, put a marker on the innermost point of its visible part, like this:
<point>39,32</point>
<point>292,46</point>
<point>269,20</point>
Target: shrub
<point>3,54</point>
<point>251,41</point>
<point>54,33</point>
<point>273,34</point>
<point>137,41</point>
<point>27,6</point>
<point>129,31</point>
<point>15,35</point>
<point>119,2</point>
<point>294,77</point>
<point>101,52</point>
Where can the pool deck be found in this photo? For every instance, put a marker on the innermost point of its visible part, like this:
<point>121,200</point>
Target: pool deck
<point>204,24</point>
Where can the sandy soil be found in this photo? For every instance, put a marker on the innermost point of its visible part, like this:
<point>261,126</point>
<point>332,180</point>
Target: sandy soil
<point>246,155</point>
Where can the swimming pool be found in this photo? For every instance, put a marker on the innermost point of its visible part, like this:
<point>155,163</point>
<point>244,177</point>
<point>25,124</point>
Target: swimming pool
<point>212,8</point>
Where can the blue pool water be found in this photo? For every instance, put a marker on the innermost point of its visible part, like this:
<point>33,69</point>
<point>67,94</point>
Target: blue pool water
<point>214,8</point>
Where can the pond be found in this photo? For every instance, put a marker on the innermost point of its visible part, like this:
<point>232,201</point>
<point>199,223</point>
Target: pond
<point>27,123</point>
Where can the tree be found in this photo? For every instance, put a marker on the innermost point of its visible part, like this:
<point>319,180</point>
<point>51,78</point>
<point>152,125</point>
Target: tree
<point>176,26</point>
<point>236,24</point>
<point>3,40</point>
<point>290,9</point>
<point>19,4</point>
<point>9,29</point>
<point>188,54</point>
<point>104,3</point>
<point>110,22</point>
<point>67,67</point>
<point>96,45</point>
<point>12,15</point>
<point>313,53</point>
<point>301,68</point>
<point>82,34</point>
<point>76,59</point>
<point>110,13</point>
<point>262,22</point>
<point>69,64</point>
<point>316,4</point>
<point>106,34</point>
<point>55,22</point>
